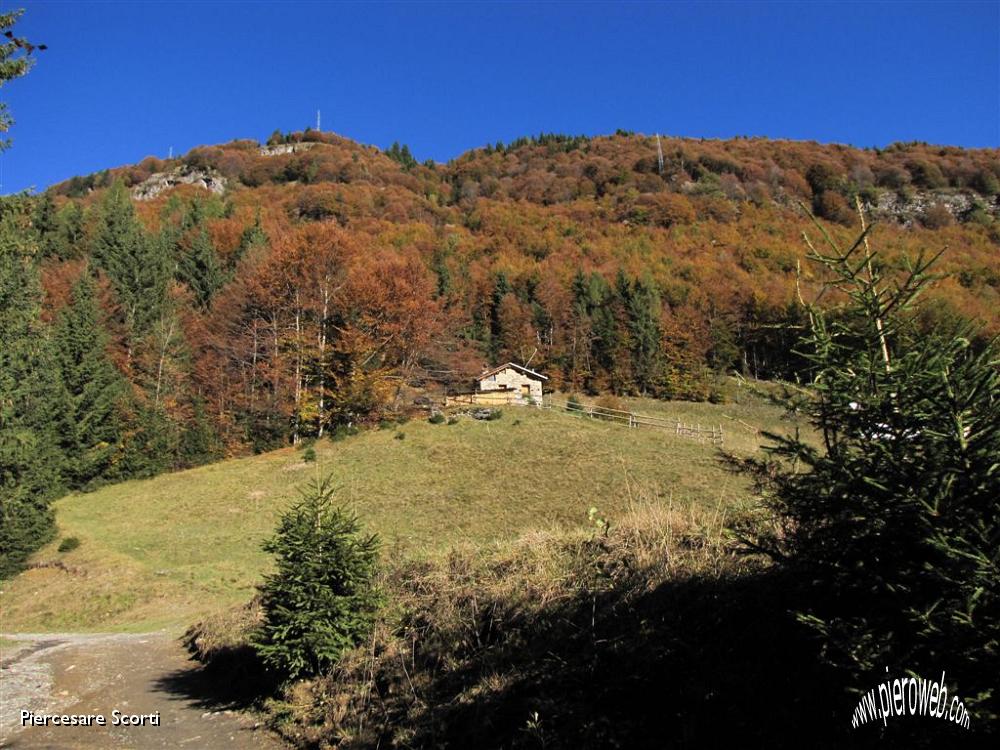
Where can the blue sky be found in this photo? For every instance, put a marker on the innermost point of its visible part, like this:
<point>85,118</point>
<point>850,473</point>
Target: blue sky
<point>121,81</point>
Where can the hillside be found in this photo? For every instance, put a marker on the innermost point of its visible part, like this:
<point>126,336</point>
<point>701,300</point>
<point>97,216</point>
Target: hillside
<point>268,276</point>
<point>247,297</point>
<point>166,551</point>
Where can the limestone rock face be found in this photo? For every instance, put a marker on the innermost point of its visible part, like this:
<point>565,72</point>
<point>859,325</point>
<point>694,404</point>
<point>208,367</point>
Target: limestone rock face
<point>907,210</point>
<point>155,184</point>
<point>286,148</point>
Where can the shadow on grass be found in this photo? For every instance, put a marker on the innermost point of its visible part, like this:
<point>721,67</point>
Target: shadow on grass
<point>690,664</point>
<point>697,663</point>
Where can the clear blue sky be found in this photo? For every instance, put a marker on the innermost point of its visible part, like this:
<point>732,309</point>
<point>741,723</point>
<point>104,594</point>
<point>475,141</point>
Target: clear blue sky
<point>121,81</point>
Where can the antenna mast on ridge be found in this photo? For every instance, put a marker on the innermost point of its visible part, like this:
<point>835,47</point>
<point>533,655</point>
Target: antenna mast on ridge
<point>659,153</point>
<point>317,121</point>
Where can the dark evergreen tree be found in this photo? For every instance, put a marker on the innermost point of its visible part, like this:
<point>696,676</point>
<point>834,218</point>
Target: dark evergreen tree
<point>68,240</point>
<point>199,443</point>
<point>199,268</point>
<point>253,237</point>
<point>93,432</point>
<point>501,287</point>
<point>30,397</point>
<point>46,224</point>
<point>322,598</point>
<point>644,327</point>
<point>138,267</point>
<point>892,522</point>
<point>151,444</point>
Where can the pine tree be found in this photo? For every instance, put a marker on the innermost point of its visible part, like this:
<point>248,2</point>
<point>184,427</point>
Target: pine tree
<point>501,287</point>
<point>892,522</point>
<point>68,240</point>
<point>644,326</point>
<point>138,267</point>
<point>12,65</point>
<point>199,268</point>
<point>46,224</point>
<point>253,237</point>
<point>30,397</point>
<point>322,598</point>
<point>94,431</point>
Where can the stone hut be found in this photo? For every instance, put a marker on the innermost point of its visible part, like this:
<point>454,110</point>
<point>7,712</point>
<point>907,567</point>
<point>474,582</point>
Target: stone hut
<point>515,381</point>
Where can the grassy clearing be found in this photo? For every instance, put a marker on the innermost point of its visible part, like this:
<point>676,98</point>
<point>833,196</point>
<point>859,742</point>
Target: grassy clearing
<point>166,551</point>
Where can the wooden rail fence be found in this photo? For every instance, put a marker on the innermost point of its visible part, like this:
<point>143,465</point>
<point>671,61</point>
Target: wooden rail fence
<point>703,434</point>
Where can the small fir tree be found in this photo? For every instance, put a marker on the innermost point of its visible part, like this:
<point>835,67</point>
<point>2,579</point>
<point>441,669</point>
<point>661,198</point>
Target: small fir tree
<point>322,599</point>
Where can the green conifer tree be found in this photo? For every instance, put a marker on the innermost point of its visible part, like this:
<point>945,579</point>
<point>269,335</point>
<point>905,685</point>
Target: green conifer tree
<point>93,433</point>
<point>30,397</point>
<point>322,598</point>
<point>137,266</point>
<point>199,268</point>
<point>253,237</point>
<point>890,517</point>
<point>644,326</point>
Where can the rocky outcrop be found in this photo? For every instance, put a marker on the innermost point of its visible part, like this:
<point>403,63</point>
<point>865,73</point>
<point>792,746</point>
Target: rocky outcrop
<point>155,184</point>
<point>286,148</point>
<point>908,209</point>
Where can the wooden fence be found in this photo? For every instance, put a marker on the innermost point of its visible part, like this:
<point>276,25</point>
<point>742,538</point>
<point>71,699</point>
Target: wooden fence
<point>486,398</point>
<point>703,434</point>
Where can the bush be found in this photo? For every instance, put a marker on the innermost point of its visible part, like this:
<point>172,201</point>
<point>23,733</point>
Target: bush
<point>386,424</point>
<point>322,599</point>
<point>834,207</point>
<point>437,418</point>
<point>400,436</point>
<point>340,432</point>
<point>69,544</point>
<point>309,455</point>
<point>573,403</point>
<point>452,420</point>
<point>609,401</point>
<point>936,216</point>
<point>402,419</point>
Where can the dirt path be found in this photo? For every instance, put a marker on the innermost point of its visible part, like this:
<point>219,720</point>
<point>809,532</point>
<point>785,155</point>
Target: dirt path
<point>135,674</point>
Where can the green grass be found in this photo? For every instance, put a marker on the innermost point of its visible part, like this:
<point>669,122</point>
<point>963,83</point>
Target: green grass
<point>166,551</point>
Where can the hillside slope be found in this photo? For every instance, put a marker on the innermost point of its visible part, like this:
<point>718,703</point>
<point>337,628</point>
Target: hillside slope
<point>168,550</point>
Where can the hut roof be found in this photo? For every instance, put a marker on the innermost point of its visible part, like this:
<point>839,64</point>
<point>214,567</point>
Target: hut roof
<point>520,368</point>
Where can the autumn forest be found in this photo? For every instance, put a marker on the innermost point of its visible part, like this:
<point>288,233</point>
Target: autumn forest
<point>318,284</point>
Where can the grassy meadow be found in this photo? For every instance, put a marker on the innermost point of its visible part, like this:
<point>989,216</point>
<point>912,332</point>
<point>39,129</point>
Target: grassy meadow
<point>165,551</point>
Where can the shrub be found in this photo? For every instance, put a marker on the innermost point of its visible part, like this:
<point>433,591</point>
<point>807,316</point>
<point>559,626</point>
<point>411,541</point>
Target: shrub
<point>834,206</point>
<point>400,436</point>
<point>402,419</point>
<point>322,599</point>
<point>386,424</point>
<point>437,418</point>
<point>609,401</point>
<point>342,431</point>
<point>69,544</point>
<point>452,420</point>
<point>309,455</point>
<point>936,216</point>
<point>926,175</point>
<point>573,403</point>
<point>986,182</point>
